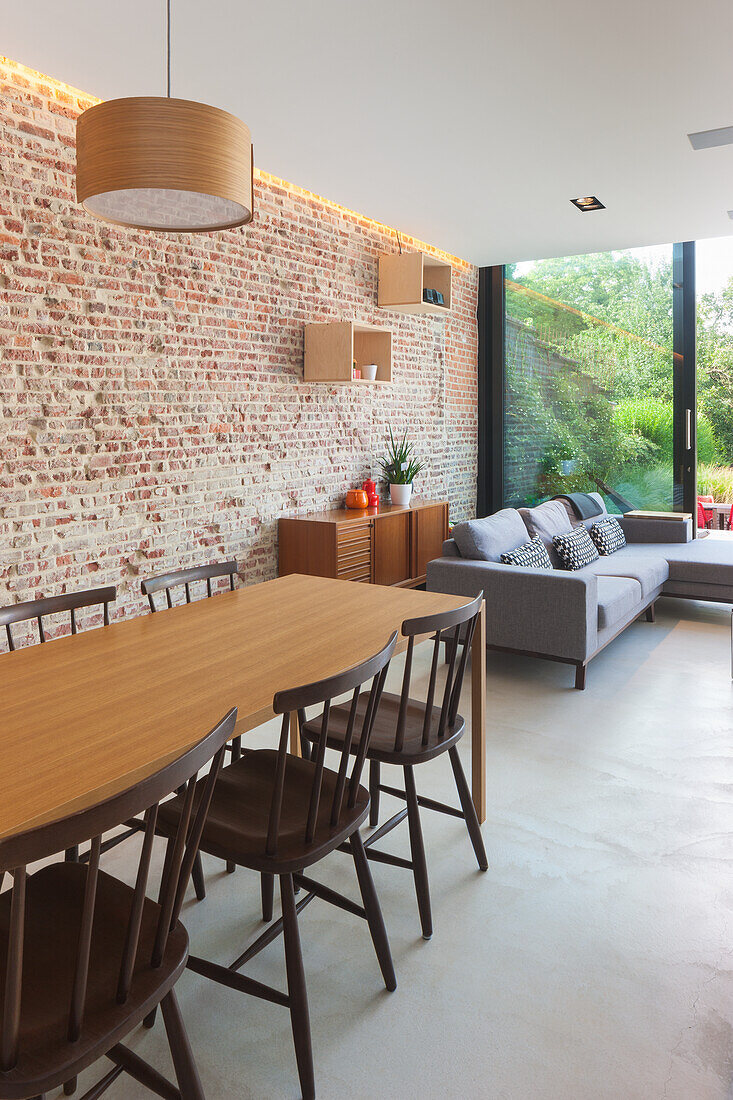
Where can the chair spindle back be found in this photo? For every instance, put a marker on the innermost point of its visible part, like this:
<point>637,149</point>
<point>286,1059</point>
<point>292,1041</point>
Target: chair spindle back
<point>17,852</point>
<point>166,582</point>
<point>53,605</point>
<point>460,625</point>
<point>323,692</point>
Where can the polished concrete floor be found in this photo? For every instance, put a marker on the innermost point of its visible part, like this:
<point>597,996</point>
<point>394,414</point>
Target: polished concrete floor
<point>594,960</point>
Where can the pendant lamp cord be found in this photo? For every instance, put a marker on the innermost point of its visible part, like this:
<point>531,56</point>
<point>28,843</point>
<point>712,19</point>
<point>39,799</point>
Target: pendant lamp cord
<point>168,42</point>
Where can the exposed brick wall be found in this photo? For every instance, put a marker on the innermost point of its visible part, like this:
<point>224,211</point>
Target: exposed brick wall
<point>154,413</point>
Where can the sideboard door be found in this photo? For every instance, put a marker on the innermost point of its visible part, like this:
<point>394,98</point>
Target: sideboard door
<point>430,529</point>
<point>392,563</point>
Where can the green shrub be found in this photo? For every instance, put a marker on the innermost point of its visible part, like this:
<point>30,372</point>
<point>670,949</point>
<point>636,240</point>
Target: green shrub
<point>654,421</point>
<point>715,481</point>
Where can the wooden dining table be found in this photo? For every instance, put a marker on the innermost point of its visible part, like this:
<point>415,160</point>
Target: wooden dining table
<point>87,715</point>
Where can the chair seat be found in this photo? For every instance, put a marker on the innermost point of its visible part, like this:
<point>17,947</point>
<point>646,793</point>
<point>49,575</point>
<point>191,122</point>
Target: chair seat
<point>381,745</point>
<point>237,822</point>
<point>54,901</point>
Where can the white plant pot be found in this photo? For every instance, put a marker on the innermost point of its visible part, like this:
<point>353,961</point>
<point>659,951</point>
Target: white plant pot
<point>369,371</point>
<point>400,494</point>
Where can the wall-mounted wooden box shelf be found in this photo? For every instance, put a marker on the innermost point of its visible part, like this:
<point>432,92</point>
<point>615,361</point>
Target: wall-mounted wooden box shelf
<point>404,275</point>
<point>331,348</point>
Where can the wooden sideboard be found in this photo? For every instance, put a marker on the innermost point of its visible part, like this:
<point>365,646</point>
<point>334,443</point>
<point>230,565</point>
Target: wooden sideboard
<point>385,545</point>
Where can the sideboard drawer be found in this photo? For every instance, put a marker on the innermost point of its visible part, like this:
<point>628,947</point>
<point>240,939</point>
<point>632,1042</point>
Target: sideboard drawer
<point>356,533</point>
<point>356,573</point>
<point>354,553</point>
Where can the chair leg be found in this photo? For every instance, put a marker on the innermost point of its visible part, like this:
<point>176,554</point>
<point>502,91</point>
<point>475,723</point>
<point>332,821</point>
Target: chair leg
<point>70,1087</point>
<point>187,1075</point>
<point>71,855</point>
<point>296,990</point>
<point>650,616</point>
<point>373,911</point>
<point>267,889</point>
<point>374,792</point>
<point>417,848</point>
<point>197,877</point>
<point>580,677</point>
<point>469,810</point>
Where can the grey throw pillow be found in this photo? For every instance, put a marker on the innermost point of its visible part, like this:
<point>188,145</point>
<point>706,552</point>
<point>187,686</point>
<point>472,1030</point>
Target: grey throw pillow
<point>487,539</point>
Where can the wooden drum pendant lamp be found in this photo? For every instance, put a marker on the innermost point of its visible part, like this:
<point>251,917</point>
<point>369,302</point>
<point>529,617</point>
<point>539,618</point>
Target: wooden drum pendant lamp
<point>161,163</point>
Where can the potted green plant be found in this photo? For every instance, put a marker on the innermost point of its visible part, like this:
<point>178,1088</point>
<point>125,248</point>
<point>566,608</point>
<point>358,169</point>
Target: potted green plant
<point>400,468</point>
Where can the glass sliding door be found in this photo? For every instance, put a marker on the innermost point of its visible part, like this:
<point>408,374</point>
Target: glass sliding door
<point>589,379</point>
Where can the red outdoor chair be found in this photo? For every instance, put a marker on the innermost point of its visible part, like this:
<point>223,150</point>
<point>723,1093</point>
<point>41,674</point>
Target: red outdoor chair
<point>705,516</point>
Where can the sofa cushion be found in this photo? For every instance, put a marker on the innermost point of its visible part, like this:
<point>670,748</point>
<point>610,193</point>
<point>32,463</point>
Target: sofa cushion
<point>702,561</point>
<point>644,564</point>
<point>532,554</point>
<point>547,520</point>
<point>487,539</point>
<point>608,536</point>
<point>617,598</point>
<point>575,550</point>
<point>642,529</point>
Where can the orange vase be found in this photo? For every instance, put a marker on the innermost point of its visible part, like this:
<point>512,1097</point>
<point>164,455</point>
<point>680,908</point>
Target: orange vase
<point>357,498</point>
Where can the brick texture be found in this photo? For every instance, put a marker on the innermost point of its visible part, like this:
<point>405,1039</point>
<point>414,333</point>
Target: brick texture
<point>154,414</point>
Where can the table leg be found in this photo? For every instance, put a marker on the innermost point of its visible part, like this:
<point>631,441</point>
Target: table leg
<point>478,715</point>
<point>294,734</point>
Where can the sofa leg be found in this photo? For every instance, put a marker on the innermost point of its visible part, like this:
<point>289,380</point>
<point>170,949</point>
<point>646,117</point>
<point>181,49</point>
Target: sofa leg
<point>650,616</point>
<point>580,677</point>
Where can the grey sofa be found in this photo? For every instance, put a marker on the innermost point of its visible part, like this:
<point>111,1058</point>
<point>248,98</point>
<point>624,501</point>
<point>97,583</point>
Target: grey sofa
<point>570,616</point>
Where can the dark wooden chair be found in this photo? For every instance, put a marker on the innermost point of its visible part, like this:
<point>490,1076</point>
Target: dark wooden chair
<point>84,957</point>
<point>185,578</point>
<point>408,732</point>
<point>280,814</point>
<point>53,605</point>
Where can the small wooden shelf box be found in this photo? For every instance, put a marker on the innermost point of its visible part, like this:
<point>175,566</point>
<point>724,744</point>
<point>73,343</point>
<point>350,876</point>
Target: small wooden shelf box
<point>403,276</point>
<point>331,349</point>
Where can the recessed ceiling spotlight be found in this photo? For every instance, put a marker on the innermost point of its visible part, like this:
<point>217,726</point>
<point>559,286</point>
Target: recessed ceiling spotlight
<point>709,139</point>
<point>730,214</point>
<point>590,202</point>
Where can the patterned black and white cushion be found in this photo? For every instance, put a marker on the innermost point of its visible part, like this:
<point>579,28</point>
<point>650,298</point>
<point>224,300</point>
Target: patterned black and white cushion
<point>533,554</point>
<point>576,549</point>
<point>608,536</point>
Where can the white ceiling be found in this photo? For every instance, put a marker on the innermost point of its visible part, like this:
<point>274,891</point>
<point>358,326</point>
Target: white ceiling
<point>466,123</point>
